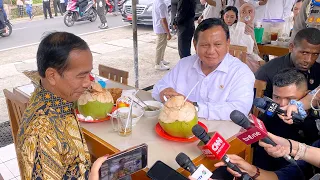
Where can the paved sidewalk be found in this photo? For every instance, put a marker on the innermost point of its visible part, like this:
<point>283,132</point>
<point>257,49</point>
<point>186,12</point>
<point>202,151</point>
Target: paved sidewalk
<point>111,47</point>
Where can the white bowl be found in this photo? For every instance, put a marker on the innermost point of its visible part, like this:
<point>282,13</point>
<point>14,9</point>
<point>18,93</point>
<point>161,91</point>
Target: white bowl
<point>135,111</point>
<point>153,113</point>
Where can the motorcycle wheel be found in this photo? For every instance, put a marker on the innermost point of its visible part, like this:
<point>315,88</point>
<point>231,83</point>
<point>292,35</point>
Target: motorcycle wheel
<point>69,20</point>
<point>9,30</point>
<point>93,15</point>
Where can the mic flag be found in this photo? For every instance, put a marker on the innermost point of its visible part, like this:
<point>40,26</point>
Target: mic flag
<point>253,134</point>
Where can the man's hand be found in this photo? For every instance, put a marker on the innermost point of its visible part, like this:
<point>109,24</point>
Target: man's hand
<point>241,163</point>
<point>280,150</point>
<point>94,173</point>
<point>288,118</point>
<point>168,92</point>
<point>168,36</point>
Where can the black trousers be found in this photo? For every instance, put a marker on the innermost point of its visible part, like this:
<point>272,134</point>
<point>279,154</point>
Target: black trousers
<point>185,34</point>
<point>101,11</point>
<point>63,7</point>
<point>56,6</point>
<point>174,9</point>
<point>82,5</point>
<point>46,7</point>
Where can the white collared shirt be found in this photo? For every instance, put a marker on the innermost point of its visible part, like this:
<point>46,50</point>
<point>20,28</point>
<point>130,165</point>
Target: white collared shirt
<point>278,9</point>
<point>229,87</point>
<point>159,12</point>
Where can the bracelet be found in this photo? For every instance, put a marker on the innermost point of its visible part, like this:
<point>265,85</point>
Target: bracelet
<point>301,151</point>
<point>301,110</point>
<point>290,146</point>
<point>257,174</point>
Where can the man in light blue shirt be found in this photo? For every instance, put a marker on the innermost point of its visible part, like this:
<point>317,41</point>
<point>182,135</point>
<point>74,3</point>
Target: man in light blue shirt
<point>225,83</point>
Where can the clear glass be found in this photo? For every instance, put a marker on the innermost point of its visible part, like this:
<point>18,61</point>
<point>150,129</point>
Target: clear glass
<point>121,123</point>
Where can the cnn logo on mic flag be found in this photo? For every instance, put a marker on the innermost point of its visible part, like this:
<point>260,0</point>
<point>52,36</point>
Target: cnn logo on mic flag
<point>216,148</point>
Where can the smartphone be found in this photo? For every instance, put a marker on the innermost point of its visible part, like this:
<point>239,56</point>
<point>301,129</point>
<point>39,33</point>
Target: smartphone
<point>124,163</point>
<point>161,171</point>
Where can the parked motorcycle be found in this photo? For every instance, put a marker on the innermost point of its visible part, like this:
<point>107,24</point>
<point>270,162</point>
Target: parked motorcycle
<point>73,13</point>
<point>110,6</point>
<point>7,30</point>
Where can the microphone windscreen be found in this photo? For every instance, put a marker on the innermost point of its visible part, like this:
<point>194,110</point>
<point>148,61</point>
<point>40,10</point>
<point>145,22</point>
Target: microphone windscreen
<point>240,119</point>
<point>182,159</point>
<point>260,103</point>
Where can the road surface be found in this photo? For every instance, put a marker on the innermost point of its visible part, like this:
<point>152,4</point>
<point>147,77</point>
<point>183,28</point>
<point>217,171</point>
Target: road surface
<point>30,32</point>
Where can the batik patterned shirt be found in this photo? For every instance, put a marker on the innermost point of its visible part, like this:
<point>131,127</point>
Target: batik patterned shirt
<point>50,144</point>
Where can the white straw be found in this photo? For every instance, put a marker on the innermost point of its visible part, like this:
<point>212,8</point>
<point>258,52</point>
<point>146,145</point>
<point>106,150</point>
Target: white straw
<point>130,112</point>
<point>190,92</point>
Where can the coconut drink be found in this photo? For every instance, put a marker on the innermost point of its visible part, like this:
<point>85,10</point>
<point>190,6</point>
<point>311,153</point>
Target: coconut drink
<point>96,102</point>
<point>178,117</point>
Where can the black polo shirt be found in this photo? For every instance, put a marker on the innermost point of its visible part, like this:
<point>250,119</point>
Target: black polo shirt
<point>270,69</point>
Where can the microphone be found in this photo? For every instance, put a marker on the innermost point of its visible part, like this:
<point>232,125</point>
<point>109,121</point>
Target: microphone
<point>216,147</point>
<point>269,107</point>
<point>200,172</point>
<point>255,131</point>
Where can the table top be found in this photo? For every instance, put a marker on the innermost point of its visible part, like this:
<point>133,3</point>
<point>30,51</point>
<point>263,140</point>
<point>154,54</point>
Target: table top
<point>143,132</point>
<point>269,49</point>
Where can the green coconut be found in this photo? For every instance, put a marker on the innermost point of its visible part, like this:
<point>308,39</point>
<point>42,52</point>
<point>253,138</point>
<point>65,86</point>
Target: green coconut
<point>178,117</point>
<point>97,102</point>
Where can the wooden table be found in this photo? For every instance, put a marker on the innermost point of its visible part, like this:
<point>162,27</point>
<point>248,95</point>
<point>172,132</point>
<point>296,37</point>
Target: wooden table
<point>268,49</point>
<point>101,139</point>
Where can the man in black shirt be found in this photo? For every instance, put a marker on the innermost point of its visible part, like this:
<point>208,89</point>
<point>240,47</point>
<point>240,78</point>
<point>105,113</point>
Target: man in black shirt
<point>304,51</point>
<point>185,23</point>
<point>288,84</point>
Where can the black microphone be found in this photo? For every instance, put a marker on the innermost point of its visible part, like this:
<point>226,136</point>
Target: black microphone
<point>200,172</point>
<point>240,119</point>
<point>269,107</point>
<point>201,134</point>
<point>185,162</point>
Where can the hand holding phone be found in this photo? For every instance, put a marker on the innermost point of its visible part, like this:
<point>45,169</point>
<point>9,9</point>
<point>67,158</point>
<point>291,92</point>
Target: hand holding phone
<point>124,163</point>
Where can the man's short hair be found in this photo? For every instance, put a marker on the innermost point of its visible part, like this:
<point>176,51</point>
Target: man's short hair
<point>54,50</point>
<point>311,35</point>
<point>210,23</point>
<point>289,76</point>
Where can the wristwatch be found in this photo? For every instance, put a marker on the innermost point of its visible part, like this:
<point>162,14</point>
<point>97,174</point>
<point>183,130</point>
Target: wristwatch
<point>196,106</point>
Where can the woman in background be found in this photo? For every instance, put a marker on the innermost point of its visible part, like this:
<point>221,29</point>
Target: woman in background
<point>230,15</point>
<point>242,34</point>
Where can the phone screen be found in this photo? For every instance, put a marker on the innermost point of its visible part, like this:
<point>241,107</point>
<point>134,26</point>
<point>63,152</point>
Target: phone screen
<point>161,171</point>
<point>125,163</point>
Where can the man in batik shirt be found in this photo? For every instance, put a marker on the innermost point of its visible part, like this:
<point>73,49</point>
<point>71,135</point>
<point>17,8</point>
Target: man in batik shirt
<point>50,144</point>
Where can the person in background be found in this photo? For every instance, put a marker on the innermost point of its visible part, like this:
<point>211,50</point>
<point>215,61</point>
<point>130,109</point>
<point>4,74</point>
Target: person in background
<point>305,18</point>
<point>56,6</point>
<point>235,3</point>
<point>295,11</point>
<point>212,9</point>
<point>20,8</point>
<point>29,8</point>
<point>278,9</point>
<point>174,9</point>
<point>82,4</point>
<point>101,10</point>
<point>230,15</point>
<point>288,84</point>
<point>3,17</point>
<point>46,7</point>
<point>242,34</point>
<point>224,83</point>
<point>185,25</point>
<point>304,51</point>
<point>160,20</point>
<point>63,7</point>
